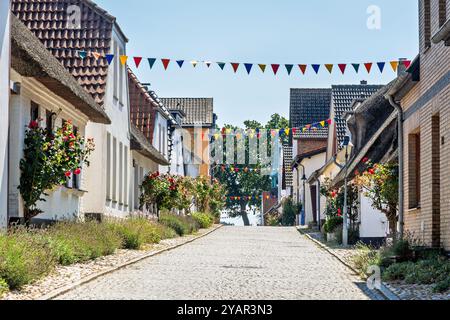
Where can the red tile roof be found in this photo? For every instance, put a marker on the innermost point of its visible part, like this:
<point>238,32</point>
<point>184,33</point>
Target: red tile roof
<point>48,20</point>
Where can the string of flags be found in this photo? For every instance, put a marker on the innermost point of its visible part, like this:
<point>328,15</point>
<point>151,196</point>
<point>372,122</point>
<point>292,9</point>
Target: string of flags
<point>273,132</point>
<point>237,169</point>
<point>249,198</point>
<point>249,67</point>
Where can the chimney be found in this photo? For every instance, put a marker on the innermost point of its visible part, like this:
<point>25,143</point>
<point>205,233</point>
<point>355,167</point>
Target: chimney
<point>363,82</point>
<point>401,67</point>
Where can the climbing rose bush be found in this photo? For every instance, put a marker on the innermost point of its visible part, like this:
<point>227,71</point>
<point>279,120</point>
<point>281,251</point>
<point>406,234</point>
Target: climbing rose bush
<point>49,159</point>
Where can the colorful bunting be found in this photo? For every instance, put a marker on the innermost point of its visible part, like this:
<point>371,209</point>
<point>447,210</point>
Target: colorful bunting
<point>137,61</point>
<point>356,67</point>
<point>289,68</point>
<point>316,68</point>
<point>394,65</point>
<point>235,66</point>
<point>342,67</point>
<point>180,63</point>
<point>381,66</point>
<point>368,66</point>
<point>406,63</point>
<point>151,62</point>
<point>123,60</point>
<point>275,68</point>
<point>194,63</point>
<point>262,67</point>
<point>208,63</point>
<point>165,63</point>
<point>329,67</point>
<point>303,68</point>
<point>109,58</point>
<point>82,54</point>
<point>248,67</point>
<point>96,55</point>
<point>221,65</point>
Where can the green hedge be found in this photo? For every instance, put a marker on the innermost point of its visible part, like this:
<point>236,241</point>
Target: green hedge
<point>204,220</point>
<point>181,225</point>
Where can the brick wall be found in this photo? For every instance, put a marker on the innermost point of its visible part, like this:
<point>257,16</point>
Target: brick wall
<point>430,222</point>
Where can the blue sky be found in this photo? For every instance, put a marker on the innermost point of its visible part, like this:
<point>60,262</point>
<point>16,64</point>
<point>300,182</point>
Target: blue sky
<point>261,31</point>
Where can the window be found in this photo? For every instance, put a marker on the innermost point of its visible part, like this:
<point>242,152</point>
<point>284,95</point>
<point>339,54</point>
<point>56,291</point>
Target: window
<point>114,170</point>
<point>121,173</point>
<point>159,137</point>
<point>34,111</point>
<point>442,12</point>
<point>75,178</point>
<point>125,179</point>
<point>121,80</point>
<point>164,142</point>
<point>427,23</point>
<point>49,120</point>
<point>108,166</point>
<point>414,170</point>
<point>116,68</point>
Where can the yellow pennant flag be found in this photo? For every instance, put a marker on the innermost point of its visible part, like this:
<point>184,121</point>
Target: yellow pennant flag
<point>322,124</point>
<point>217,136</point>
<point>394,65</point>
<point>96,55</point>
<point>329,67</point>
<point>287,131</point>
<point>262,67</point>
<point>304,130</point>
<point>123,59</point>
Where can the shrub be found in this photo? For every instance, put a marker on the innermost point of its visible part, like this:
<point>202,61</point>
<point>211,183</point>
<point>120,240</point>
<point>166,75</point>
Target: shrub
<point>24,257</point>
<point>332,223</point>
<point>4,288</point>
<point>136,232</point>
<point>290,212</point>
<point>204,220</point>
<point>366,256</point>
<point>181,225</point>
<point>81,242</point>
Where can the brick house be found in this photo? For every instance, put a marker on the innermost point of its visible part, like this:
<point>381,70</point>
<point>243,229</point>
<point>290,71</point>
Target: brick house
<point>424,96</point>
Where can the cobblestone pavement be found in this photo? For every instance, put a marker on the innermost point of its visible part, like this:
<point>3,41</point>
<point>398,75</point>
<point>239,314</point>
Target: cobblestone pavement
<point>233,263</point>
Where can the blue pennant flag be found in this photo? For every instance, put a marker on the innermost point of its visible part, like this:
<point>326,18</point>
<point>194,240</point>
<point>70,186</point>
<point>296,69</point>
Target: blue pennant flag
<point>180,63</point>
<point>109,58</point>
<point>316,67</point>
<point>151,62</point>
<point>289,68</point>
<point>381,66</point>
<point>248,67</point>
<point>82,54</point>
<point>356,67</point>
<point>221,65</point>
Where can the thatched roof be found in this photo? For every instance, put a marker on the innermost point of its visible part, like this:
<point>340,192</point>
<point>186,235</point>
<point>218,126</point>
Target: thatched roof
<point>142,145</point>
<point>30,58</point>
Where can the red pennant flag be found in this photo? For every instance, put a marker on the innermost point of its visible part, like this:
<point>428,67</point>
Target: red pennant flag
<point>235,66</point>
<point>368,66</point>
<point>137,61</point>
<point>302,68</point>
<point>165,63</point>
<point>342,67</point>
<point>407,63</point>
<point>329,121</point>
<point>275,68</point>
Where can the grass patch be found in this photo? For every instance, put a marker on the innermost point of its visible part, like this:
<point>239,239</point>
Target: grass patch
<point>181,225</point>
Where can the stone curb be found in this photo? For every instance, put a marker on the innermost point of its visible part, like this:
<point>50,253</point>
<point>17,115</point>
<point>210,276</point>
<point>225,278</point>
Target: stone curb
<point>385,291</point>
<point>60,291</point>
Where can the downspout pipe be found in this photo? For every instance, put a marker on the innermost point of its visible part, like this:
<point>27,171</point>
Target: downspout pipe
<point>401,165</point>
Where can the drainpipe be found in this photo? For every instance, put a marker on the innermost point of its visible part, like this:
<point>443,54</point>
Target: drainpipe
<point>401,164</point>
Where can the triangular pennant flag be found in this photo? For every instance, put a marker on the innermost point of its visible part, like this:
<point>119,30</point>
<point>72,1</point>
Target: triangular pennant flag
<point>342,67</point>
<point>248,67</point>
<point>329,121</point>
<point>356,67</point>
<point>235,66</point>
<point>381,66</point>
<point>262,67</point>
<point>368,66</point>
<point>165,63</point>
<point>221,65</point>
<point>289,68</point>
<point>287,131</point>
<point>180,63</point>
<point>302,68</point>
<point>137,61</point>
<point>194,63</point>
<point>109,58</point>
<point>123,60</point>
<point>394,65</point>
<point>329,67</point>
<point>316,67</point>
<point>406,63</point>
<point>151,62</point>
<point>208,64</point>
<point>275,68</point>
<point>96,55</point>
<point>82,54</point>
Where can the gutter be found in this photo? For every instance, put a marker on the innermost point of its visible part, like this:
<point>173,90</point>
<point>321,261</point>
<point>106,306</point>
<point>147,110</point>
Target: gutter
<point>443,34</point>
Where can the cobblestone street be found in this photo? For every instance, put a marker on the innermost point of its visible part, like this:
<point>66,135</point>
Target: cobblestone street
<point>234,263</point>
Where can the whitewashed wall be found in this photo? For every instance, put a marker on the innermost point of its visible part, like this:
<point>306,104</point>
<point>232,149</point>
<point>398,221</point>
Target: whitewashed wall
<point>160,139</point>
<point>62,202</point>
<point>374,223</point>
<point>177,163</point>
<point>4,107</point>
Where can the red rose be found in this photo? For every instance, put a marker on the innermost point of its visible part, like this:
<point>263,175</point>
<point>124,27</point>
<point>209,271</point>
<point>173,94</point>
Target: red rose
<point>372,171</point>
<point>77,172</point>
<point>33,125</point>
<point>334,194</point>
<point>339,213</point>
<point>356,173</point>
<point>365,160</point>
<point>68,174</point>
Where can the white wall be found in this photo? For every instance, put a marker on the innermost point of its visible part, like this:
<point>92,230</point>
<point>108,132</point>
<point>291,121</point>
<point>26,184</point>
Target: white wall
<point>161,138</point>
<point>62,202</point>
<point>177,163</point>
<point>4,107</point>
<point>373,223</point>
